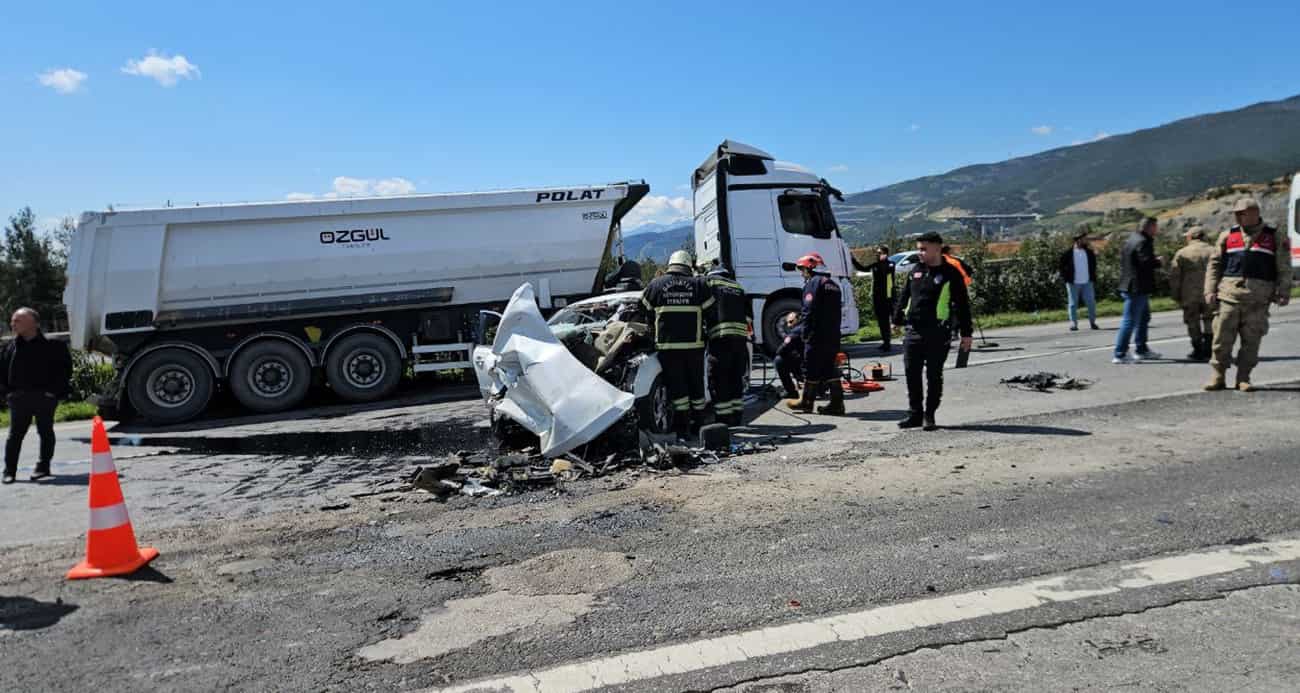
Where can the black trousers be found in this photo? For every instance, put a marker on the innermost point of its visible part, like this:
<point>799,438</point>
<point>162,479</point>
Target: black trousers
<point>925,350</point>
<point>819,354</point>
<point>884,310</point>
<point>684,377</point>
<point>23,408</point>
<point>728,373</point>
<point>789,365</point>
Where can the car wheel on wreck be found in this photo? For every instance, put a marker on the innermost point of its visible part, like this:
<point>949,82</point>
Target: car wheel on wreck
<point>655,410</point>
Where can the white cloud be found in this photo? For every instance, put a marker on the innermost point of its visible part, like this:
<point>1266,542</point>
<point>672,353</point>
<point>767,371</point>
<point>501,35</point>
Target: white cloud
<point>346,186</point>
<point>1042,130</point>
<point>838,168</point>
<point>64,80</point>
<point>658,209</point>
<point>913,127</point>
<point>394,186</point>
<point>683,187</point>
<point>162,69</point>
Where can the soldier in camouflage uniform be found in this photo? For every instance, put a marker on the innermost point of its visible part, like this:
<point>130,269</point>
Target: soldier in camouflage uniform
<point>1250,268</point>
<point>1187,285</point>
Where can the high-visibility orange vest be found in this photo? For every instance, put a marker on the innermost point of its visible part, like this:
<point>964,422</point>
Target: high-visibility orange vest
<point>961,270</point>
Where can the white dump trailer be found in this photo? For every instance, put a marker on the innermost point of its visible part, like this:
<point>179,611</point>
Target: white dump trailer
<point>261,298</point>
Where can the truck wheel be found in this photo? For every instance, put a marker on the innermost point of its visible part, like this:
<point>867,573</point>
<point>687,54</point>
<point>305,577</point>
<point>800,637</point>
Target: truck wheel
<point>269,376</point>
<point>654,412</point>
<point>364,367</point>
<point>774,329</point>
<point>170,386</point>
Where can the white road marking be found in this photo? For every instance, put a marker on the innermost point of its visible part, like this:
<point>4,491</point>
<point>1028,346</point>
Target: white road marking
<point>708,653</point>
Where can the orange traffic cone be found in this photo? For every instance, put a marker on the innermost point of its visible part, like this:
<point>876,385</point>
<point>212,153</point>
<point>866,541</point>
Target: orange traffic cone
<point>110,543</point>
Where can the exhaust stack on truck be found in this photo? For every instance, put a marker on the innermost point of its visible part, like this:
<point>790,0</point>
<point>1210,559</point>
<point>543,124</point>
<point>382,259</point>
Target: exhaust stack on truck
<point>261,297</point>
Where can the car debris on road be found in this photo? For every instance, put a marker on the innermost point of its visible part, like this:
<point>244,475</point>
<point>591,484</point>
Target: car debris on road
<point>1044,381</point>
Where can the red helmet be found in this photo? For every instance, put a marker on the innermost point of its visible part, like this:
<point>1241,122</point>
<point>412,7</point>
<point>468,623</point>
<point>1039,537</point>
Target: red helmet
<point>811,261</point>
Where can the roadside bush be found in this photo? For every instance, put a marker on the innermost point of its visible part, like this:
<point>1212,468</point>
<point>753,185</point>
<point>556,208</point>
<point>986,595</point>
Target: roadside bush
<point>91,375</point>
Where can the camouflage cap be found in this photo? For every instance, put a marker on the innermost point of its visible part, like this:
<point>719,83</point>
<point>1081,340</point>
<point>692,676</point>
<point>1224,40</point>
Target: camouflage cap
<point>1198,232</point>
<point>1244,203</point>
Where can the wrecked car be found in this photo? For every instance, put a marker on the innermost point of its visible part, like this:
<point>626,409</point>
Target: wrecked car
<point>572,378</point>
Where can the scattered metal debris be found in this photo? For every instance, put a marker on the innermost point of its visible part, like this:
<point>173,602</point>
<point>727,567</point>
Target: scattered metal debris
<point>1044,381</point>
<point>485,474</point>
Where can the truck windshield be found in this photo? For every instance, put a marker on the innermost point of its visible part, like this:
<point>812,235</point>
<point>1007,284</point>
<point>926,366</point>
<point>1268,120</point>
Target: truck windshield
<point>804,215</point>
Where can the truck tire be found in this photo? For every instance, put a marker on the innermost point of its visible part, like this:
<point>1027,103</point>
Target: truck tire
<point>170,386</point>
<point>654,412</point>
<point>364,367</point>
<point>270,376</point>
<point>774,329</point>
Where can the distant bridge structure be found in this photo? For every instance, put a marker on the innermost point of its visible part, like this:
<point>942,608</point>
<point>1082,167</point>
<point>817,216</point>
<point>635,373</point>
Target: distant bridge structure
<point>983,223</point>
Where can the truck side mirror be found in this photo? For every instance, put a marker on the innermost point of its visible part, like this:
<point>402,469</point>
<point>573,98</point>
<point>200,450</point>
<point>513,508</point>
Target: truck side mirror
<point>788,266</point>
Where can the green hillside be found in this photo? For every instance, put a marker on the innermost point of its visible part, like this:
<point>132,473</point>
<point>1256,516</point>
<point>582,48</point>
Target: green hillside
<point>1180,159</point>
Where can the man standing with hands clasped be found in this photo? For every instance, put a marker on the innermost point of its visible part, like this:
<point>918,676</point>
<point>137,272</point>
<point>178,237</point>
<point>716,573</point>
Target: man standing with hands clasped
<point>1250,268</point>
<point>34,374</point>
<point>933,292</point>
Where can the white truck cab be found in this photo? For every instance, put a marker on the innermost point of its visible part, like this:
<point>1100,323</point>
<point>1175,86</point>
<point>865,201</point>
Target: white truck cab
<point>752,214</point>
<point>1293,224</point>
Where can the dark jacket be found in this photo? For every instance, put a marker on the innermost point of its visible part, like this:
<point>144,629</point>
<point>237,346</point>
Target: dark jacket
<point>1066,265</point>
<point>819,317</point>
<point>882,282</point>
<point>932,297</point>
<point>35,365</point>
<point>678,302</point>
<point>1138,263</point>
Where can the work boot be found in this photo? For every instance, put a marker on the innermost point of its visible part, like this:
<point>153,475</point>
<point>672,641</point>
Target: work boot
<point>1195,353</point>
<point>836,405</point>
<point>928,423</point>
<point>41,471</point>
<point>9,476</point>
<point>913,420</point>
<point>1243,384</point>
<point>805,402</point>
<point>1218,382</point>
<point>682,424</point>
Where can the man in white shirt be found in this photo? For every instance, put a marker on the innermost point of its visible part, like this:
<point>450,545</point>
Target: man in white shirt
<point>1078,267</point>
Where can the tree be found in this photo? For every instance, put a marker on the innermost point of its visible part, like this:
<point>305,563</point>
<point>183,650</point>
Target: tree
<point>31,272</point>
<point>62,238</point>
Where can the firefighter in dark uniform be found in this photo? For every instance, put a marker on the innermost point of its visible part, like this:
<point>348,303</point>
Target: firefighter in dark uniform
<point>820,327</point>
<point>728,329</point>
<point>678,300</point>
<point>1249,269</point>
<point>935,289</point>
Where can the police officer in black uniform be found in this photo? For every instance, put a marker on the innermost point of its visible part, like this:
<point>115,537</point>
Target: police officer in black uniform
<point>882,294</point>
<point>728,329</point>
<point>820,328</point>
<point>678,300</point>
<point>933,292</point>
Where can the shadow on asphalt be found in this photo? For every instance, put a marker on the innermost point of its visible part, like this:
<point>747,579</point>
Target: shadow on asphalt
<point>147,574</point>
<point>878,415</point>
<point>65,480</point>
<point>1018,429</point>
<point>25,613</point>
<point>331,407</point>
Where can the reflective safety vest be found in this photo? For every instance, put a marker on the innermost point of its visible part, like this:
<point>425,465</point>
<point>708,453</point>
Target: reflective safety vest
<point>678,302</point>
<point>1258,261</point>
<point>728,317</point>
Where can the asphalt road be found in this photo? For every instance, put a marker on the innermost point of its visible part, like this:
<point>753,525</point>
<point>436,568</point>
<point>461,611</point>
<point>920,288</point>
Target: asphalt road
<point>1045,541</point>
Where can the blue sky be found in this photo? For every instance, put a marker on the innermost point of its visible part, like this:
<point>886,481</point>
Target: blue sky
<point>139,103</point>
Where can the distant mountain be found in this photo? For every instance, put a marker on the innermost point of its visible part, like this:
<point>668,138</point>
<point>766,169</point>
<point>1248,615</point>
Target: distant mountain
<point>656,243</point>
<point>1176,160</point>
